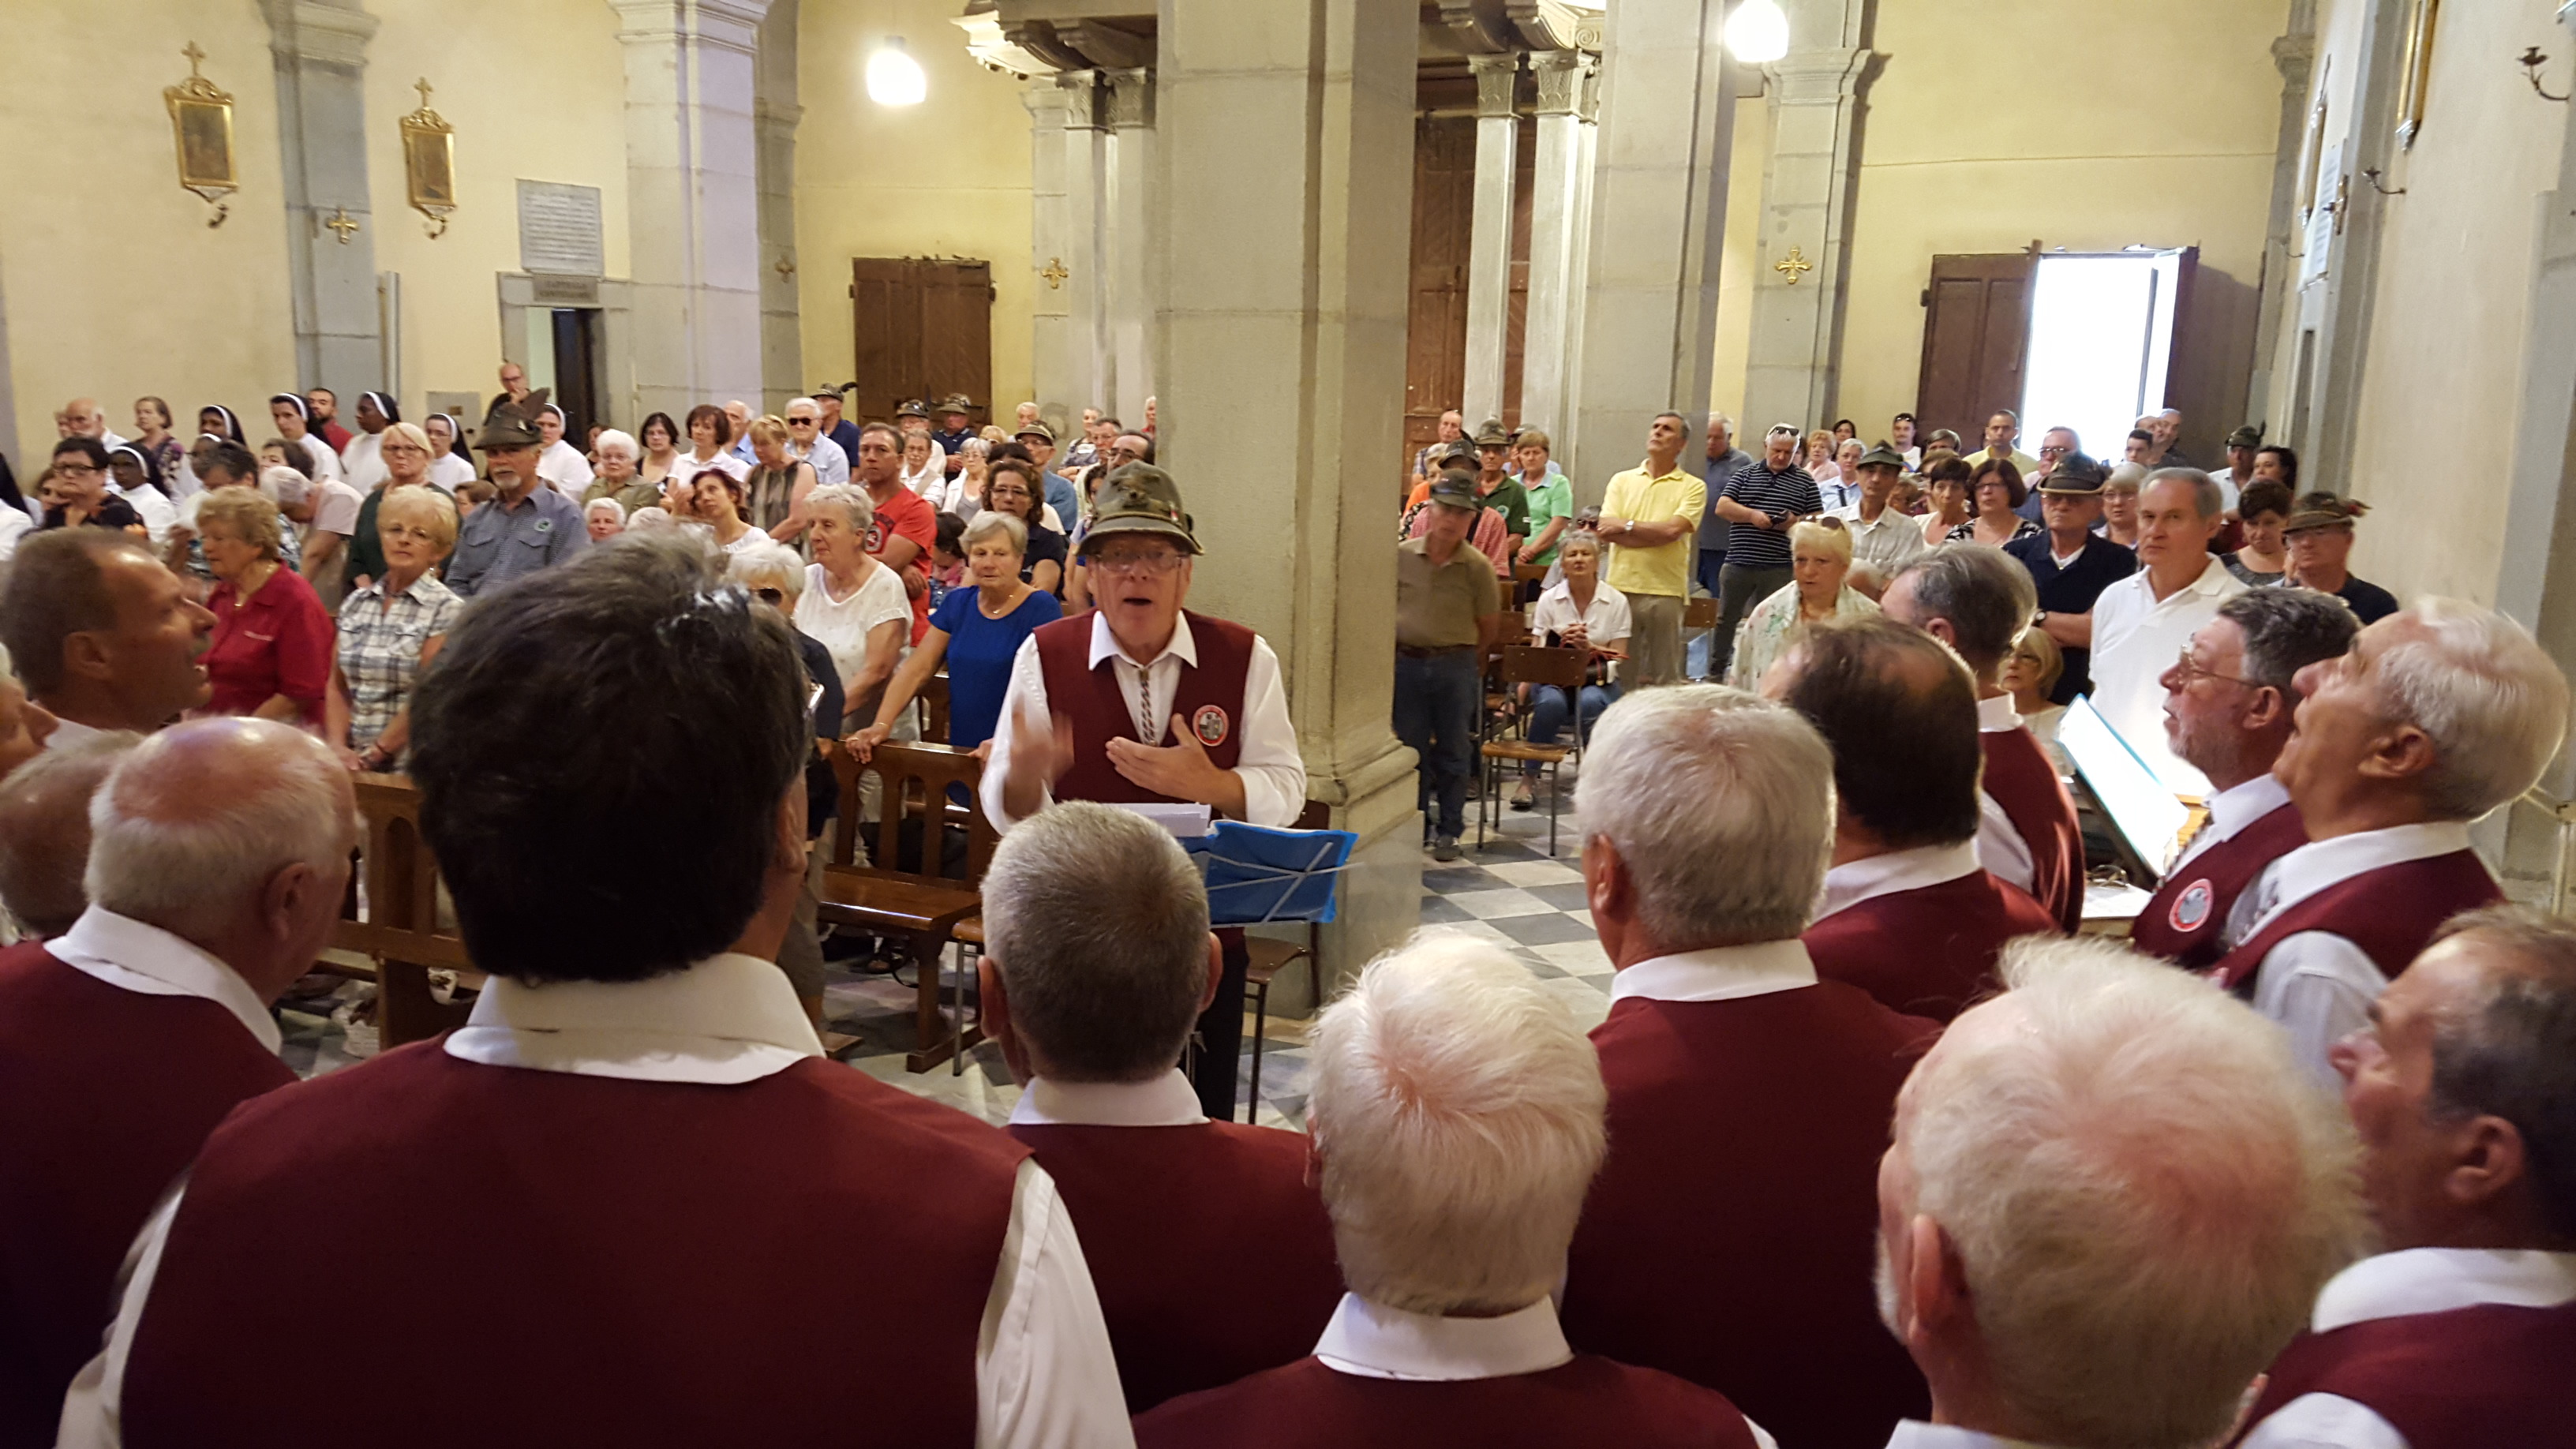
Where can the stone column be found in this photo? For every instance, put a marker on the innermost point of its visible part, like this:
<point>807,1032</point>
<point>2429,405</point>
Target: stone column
<point>1795,347</point>
<point>1649,330</point>
<point>1050,236</point>
<point>1557,224</point>
<point>2294,53</point>
<point>1086,284</point>
<point>1284,341</point>
<point>1131,245</point>
<point>775,114</point>
<point>320,49</point>
<point>2349,290</point>
<point>692,202</point>
<point>1489,244</point>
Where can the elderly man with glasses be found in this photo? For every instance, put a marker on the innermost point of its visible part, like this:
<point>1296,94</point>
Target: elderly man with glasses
<point>808,443</point>
<point>1139,701</point>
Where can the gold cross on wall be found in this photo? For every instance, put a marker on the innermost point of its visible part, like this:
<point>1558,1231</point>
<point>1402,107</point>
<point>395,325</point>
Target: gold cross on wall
<point>422,85</point>
<point>785,267</point>
<point>194,55</point>
<point>1055,273</point>
<point>1793,266</point>
<point>342,222</point>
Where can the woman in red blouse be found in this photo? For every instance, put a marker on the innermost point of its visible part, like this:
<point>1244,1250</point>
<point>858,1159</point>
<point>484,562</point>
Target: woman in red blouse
<point>270,653</point>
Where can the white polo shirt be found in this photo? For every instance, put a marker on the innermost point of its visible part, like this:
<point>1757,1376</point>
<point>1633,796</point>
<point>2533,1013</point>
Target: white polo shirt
<point>2136,638</point>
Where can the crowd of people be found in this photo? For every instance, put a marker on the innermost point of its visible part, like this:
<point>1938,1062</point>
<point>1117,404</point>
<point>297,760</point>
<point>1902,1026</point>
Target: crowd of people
<point>1872,1148</point>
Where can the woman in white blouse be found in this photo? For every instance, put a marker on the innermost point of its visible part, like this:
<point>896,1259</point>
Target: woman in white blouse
<point>1820,560</point>
<point>561,463</point>
<point>1578,611</point>
<point>852,605</point>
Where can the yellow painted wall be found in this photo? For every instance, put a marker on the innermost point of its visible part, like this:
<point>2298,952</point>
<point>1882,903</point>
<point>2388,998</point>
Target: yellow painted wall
<point>2156,125</point>
<point>549,109</point>
<point>114,285</point>
<point>1735,264</point>
<point>2448,334</point>
<point>948,178</point>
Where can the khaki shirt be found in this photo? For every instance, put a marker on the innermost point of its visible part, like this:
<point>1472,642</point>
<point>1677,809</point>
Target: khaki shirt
<point>1437,605</point>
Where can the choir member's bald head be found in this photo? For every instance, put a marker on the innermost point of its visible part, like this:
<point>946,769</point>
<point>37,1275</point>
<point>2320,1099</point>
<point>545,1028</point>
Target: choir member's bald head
<point>44,830</point>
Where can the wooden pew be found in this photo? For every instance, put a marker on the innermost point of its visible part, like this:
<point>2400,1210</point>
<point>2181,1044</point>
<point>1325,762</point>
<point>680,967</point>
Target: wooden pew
<point>923,905</point>
<point>401,927</point>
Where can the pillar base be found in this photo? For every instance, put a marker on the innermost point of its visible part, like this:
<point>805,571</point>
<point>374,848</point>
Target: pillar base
<point>1381,891</point>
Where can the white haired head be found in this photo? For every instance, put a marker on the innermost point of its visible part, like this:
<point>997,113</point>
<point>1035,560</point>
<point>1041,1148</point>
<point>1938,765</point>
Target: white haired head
<point>1720,805</point>
<point>2120,1190</point>
<point>768,566</point>
<point>2491,700</point>
<point>616,440</point>
<point>1458,1111</point>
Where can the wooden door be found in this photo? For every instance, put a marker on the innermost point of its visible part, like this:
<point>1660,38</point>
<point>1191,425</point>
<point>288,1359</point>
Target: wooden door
<point>1976,336</point>
<point>922,328</point>
<point>1444,209</point>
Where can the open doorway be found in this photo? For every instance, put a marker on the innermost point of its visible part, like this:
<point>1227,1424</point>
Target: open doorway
<point>2101,341</point>
<point>565,356</point>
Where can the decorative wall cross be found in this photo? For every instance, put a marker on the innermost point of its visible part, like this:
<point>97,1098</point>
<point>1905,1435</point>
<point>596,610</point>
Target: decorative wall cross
<point>342,222</point>
<point>1055,273</point>
<point>1793,266</point>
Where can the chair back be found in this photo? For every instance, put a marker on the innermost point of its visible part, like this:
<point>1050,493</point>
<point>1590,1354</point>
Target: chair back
<point>400,917</point>
<point>933,700</point>
<point>913,787</point>
<point>1699,613</point>
<point>1529,664</point>
<point>1532,573</point>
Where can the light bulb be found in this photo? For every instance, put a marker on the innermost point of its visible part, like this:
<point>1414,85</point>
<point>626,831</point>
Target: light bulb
<point>895,78</point>
<point>1758,32</point>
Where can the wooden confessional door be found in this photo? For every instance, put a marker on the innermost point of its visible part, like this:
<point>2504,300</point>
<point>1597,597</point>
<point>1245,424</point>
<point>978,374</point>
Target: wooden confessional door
<point>1435,337</point>
<point>1976,336</point>
<point>923,329</point>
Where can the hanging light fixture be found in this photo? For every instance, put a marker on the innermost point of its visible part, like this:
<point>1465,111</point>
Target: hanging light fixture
<point>1758,31</point>
<point>895,78</point>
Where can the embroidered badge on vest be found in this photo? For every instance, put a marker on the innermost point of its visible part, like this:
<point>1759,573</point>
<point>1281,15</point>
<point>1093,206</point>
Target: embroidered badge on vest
<point>1209,724</point>
<point>2191,909</point>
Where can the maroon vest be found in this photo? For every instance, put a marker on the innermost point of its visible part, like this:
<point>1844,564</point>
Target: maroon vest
<point>1211,1252</point>
<point>1584,1401</point>
<point>1930,952</point>
<point>2390,913</point>
<point>105,1097</point>
<point>1209,700</point>
<point>561,1259</point>
<point>2188,914</point>
<point>2471,1378</point>
<point>2022,781</point>
<point>1728,1238</point>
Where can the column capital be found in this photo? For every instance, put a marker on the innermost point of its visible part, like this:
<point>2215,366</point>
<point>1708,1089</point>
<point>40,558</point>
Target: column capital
<point>1081,90</point>
<point>1588,104</point>
<point>1131,98</point>
<point>727,24</point>
<point>1045,100</point>
<point>334,34</point>
<point>1496,76</point>
<point>1816,77</point>
<point>2294,56</point>
<point>1560,75</point>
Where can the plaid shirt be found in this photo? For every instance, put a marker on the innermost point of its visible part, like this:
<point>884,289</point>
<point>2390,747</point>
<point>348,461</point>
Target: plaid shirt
<point>380,643</point>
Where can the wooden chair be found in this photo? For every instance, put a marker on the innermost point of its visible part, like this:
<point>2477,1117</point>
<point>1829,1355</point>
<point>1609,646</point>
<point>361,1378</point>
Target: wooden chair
<point>1698,613</point>
<point>1270,956</point>
<point>923,906</point>
<point>1526,664</point>
<point>931,704</point>
<point>400,926</point>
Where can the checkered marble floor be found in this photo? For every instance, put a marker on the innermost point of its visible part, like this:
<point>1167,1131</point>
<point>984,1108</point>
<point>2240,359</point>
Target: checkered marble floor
<point>1507,890</point>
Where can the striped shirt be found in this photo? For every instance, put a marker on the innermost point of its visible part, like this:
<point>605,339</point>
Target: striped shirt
<point>380,642</point>
<point>1791,490</point>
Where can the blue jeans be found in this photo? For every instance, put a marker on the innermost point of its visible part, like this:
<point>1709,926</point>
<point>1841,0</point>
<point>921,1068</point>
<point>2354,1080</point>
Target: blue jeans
<point>1435,713</point>
<point>1549,707</point>
<point>1710,561</point>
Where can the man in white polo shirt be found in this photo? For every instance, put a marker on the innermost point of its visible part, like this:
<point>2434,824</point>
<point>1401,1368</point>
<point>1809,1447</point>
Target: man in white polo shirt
<point>2143,623</point>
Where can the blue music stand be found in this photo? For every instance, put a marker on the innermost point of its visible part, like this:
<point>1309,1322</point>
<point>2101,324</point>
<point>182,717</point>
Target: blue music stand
<point>1260,876</point>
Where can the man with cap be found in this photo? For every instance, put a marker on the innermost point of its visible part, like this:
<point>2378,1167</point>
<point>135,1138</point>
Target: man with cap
<point>956,426</point>
<point>2072,565</point>
<point>1500,490</point>
<point>2319,535</point>
<point>1448,604</point>
<point>2055,446</point>
<point>835,426</point>
<point>1883,538</point>
<point>2240,463</point>
<point>1140,701</point>
<point>1489,533</point>
<point>1061,495</point>
<point>528,525</point>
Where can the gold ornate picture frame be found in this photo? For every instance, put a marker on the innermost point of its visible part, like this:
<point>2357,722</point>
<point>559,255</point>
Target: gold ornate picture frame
<point>2417,69</point>
<point>201,128</point>
<point>429,163</point>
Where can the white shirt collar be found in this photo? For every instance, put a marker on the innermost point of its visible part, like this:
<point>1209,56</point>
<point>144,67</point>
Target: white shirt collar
<point>1378,1342</point>
<point>1718,973</point>
<point>2213,580</point>
<point>2234,808</point>
<point>1104,645</point>
<point>2322,863</point>
<point>1915,1434</point>
<point>1997,715</point>
<point>70,732</point>
<point>1166,1101</point>
<point>726,1020</point>
<point>1853,882</point>
<point>126,953</point>
<point>2437,1280</point>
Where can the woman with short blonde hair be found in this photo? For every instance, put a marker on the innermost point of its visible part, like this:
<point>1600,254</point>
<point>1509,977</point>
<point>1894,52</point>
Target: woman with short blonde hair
<point>1820,561</point>
<point>390,628</point>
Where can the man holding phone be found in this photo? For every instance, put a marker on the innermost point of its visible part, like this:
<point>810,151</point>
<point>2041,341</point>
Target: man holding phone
<point>1760,501</point>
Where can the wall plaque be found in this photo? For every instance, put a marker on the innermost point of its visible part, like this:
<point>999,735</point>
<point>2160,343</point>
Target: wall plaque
<point>559,229</point>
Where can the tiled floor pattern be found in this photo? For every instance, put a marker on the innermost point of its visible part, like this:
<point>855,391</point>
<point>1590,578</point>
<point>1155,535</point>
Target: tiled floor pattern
<point>1506,890</point>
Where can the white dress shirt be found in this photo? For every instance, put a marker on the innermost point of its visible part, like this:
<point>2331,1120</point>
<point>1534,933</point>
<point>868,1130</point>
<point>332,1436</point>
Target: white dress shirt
<point>1607,623</point>
<point>14,525</point>
<point>2231,810</point>
<point>1885,544</point>
<point>831,463</point>
<point>132,956</point>
<point>2316,984</point>
<point>1044,1374</point>
<point>1269,764</point>
<point>70,732</point>
<point>2000,848</point>
<point>1853,882</point>
<point>326,464</point>
<point>1717,973</point>
<point>1166,1101</point>
<point>2402,1284</point>
<point>2136,638</point>
<point>1915,1434</point>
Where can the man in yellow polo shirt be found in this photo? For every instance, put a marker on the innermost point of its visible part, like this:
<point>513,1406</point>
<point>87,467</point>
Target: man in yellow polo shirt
<point>1650,516</point>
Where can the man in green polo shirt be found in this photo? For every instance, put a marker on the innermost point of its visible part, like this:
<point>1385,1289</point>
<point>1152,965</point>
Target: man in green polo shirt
<point>1447,604</point>
<point>1501,491</point>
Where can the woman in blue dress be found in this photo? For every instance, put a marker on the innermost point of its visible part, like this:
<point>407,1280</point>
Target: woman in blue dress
<point>977,632</point>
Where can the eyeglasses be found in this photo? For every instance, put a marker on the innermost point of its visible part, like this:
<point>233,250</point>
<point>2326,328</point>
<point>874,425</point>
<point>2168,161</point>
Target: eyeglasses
<point>2048,451</point>
<point>73,470</point>
<point>1157,564</point>
<point>800,422</point>
<point>2187,669</point>
<point>775,598</point>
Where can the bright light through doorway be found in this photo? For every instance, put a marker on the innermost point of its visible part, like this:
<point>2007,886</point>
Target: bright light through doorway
<point>2101,339</point>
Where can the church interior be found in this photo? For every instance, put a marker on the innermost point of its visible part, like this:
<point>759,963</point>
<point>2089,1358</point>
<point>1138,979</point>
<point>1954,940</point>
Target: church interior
<point>2326,248</point>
